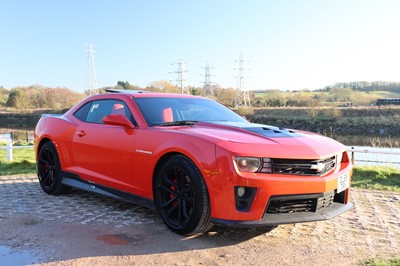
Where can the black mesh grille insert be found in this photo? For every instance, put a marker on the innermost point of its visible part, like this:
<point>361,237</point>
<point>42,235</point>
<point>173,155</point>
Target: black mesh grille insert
<point>300,203</point>
<point>303,167</point>
<point>290,206</point>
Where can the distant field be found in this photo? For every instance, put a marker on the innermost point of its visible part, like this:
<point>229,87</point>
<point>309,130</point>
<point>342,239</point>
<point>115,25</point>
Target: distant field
<point>321,99</point>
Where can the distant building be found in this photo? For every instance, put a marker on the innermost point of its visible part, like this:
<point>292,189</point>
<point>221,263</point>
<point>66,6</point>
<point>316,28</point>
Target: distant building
<point>388,101</point>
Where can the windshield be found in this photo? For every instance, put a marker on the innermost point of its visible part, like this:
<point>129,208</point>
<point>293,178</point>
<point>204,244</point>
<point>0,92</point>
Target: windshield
<point>159,111</point>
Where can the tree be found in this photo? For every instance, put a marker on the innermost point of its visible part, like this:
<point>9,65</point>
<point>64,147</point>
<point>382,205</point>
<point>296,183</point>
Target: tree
<point>341,94</point>
<point>3,96</point>
<point>37,96</point>
<point>162,86</point>
<point>225,96</point>
<point>15,98</point>
<point>274,98</point>
<point>125,85</point>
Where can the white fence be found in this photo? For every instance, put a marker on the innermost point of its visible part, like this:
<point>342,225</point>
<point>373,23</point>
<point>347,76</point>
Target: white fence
<point>369,156</point>
<point>9,150</point>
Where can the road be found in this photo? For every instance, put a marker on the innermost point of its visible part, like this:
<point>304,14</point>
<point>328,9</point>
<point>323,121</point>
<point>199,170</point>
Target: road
<point>81,228</point>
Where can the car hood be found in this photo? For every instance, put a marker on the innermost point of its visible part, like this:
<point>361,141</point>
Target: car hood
<point>264,140</point>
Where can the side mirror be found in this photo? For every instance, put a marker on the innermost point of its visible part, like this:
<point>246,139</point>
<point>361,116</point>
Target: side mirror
<point>118,120</point>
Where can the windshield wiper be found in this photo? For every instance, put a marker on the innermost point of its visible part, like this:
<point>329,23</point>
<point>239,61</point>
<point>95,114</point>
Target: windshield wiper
<point>178,123</point>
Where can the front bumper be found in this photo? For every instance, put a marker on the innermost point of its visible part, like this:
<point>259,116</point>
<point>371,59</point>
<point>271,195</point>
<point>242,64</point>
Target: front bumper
<point>290,216</point>
<point>226,209</point>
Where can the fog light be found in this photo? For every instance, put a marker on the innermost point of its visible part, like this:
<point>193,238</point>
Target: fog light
<point>244,197</point>
<point>240,191</point>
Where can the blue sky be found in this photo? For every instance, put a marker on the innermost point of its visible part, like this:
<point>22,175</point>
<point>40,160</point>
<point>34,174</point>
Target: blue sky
<point>286,44</point>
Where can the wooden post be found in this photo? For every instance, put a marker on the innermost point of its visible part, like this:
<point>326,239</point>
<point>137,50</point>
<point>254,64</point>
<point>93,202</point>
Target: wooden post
<point>352,155</point>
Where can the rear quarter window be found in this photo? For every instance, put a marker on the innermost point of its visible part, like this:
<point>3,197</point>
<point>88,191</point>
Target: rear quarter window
<point>82,112</point>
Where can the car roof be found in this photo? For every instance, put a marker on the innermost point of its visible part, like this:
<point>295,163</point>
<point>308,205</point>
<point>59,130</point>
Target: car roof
<point>149,94</point>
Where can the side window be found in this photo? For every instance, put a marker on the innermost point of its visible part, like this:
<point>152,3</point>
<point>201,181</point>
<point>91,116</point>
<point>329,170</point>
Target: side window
<point>82,113</point>
<point>99,109</point>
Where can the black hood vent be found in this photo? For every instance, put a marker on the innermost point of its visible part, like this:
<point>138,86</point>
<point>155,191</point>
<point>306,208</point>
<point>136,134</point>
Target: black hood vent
<point>273,132</point>
<point>264,130</point>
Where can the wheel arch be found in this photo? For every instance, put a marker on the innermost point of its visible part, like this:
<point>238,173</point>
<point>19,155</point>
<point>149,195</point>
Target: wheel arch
<point>40,145</point>
<point>170,154</point>
<point>203,158</point>
<point>160,163</point>
<point>43,141</point>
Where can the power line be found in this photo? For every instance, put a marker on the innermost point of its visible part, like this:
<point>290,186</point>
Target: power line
<point>181,81</point>
<point>91,80</point>
<point>242,94</point>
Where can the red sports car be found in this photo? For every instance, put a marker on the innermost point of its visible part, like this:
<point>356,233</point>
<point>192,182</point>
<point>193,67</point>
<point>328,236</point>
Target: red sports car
<point>197,162</point>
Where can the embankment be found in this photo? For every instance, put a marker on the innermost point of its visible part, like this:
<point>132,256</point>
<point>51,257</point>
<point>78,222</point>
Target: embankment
<point>368,121</point>
<point>19,121</point>
<point>25,120</point>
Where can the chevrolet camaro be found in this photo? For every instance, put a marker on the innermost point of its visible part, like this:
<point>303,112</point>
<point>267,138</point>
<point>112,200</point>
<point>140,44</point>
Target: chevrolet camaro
<point>194,160</point>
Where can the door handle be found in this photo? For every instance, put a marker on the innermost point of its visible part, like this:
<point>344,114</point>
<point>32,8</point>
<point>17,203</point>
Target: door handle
<point>81,133</point>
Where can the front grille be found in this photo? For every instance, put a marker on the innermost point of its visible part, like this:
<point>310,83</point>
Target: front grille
<point>300,203</point>
<point>303,167</point>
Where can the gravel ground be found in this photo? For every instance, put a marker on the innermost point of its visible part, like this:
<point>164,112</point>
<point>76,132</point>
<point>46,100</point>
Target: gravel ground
<point>81,228</point>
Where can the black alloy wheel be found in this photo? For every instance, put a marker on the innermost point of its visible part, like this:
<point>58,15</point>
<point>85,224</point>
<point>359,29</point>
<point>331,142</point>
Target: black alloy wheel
<point>181,197</point>
<point>49,170</point>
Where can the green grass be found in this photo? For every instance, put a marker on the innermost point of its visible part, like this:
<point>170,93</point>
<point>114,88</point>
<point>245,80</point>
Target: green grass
<point>23,162</point>
<point>376,178</point>
<point>381,262</point>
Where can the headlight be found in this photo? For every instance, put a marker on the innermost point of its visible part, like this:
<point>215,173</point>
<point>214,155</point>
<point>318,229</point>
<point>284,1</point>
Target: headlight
<point>339,158</point>
<point>248,164</point>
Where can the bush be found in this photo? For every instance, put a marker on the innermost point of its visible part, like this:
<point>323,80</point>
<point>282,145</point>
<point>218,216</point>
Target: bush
<point>22,143</point>
<point>34,97</point>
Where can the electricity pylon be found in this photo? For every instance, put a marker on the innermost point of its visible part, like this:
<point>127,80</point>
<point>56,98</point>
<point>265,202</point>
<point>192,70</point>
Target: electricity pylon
<point>91,80</point>
<point>181,80</point>
<point>242,94</point>
<point>208,90</point>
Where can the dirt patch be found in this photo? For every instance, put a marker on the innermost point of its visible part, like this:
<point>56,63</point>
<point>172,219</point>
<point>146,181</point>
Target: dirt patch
<point>83,228</point>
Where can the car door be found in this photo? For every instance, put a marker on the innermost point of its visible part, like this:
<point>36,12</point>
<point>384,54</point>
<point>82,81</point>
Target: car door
<point>103,154</point>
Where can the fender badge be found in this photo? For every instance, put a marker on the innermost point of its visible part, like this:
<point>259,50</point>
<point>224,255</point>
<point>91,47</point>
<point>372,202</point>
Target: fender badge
<point>145,152</point>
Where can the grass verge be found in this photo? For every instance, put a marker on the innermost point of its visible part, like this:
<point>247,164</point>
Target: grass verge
<point>23,162</point>
<point>381,262</point>
<point>376,178</point>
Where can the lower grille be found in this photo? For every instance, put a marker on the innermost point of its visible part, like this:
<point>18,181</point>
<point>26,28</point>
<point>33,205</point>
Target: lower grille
<point>300,203</point>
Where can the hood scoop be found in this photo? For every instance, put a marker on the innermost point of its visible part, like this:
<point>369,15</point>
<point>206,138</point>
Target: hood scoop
<point>274,132</point>
<point>264,130</point>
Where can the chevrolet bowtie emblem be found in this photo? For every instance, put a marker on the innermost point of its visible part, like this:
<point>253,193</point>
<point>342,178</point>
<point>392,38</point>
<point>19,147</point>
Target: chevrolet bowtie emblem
<point>319,167</point>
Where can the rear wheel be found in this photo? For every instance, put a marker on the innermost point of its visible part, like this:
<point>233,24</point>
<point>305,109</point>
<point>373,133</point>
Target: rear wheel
<point>181,197</point>
<point>49,170</point>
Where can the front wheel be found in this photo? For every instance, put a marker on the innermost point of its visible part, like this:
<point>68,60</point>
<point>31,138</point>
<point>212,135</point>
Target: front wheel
<point>181,197</point>
<point>49,170</point>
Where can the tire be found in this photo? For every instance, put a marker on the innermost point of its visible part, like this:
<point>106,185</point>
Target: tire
<point>181,197</point>
<point>49,170</point>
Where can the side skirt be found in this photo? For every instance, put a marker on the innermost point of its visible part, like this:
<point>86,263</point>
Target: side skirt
<point>73,180</point>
